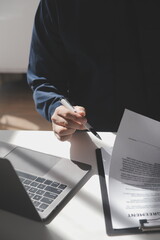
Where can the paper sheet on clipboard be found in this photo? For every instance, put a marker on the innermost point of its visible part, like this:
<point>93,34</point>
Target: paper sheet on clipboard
<point>133,172</point>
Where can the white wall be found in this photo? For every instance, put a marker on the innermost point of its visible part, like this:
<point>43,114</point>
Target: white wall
<point>16,22</point>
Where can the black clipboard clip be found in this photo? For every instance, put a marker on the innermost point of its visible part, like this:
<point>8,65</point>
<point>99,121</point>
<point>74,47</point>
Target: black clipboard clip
<point>147,225</point>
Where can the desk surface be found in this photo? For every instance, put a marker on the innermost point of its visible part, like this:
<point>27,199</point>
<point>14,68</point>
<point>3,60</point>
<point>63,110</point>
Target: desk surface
<point>82,218</point>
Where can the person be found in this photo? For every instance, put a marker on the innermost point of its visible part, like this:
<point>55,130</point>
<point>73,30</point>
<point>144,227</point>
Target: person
<point>103,56</point>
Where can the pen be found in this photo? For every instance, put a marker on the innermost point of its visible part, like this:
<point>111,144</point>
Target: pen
<point>66,104</point>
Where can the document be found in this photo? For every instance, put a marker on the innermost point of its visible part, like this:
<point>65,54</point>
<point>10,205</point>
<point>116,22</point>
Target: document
<point>133,173</point>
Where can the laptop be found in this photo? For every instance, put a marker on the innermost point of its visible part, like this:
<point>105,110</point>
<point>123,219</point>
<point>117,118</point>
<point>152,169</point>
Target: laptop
<point>36,185</point>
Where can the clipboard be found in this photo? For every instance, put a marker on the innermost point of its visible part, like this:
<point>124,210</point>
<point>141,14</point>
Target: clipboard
<point>145,225</point>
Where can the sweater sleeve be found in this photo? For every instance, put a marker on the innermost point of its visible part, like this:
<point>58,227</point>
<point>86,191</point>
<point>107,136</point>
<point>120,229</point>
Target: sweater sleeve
<point>48,67</point>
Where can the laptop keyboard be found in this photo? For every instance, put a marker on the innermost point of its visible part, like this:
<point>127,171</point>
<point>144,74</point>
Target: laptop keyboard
<point>41,191</point>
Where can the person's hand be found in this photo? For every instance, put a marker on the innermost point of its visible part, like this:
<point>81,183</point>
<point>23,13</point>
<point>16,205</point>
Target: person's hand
<point>65,122</point>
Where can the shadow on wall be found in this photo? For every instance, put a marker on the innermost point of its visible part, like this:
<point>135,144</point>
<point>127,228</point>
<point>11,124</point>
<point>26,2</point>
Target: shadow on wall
<point>17,108</point>
<point>6,77</point>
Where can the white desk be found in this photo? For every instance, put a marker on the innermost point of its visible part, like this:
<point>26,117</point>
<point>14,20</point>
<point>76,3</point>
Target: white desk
<point>82,218</point>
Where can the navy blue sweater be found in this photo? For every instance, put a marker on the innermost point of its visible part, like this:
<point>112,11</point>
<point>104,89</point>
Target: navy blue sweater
<point>100,54</point>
